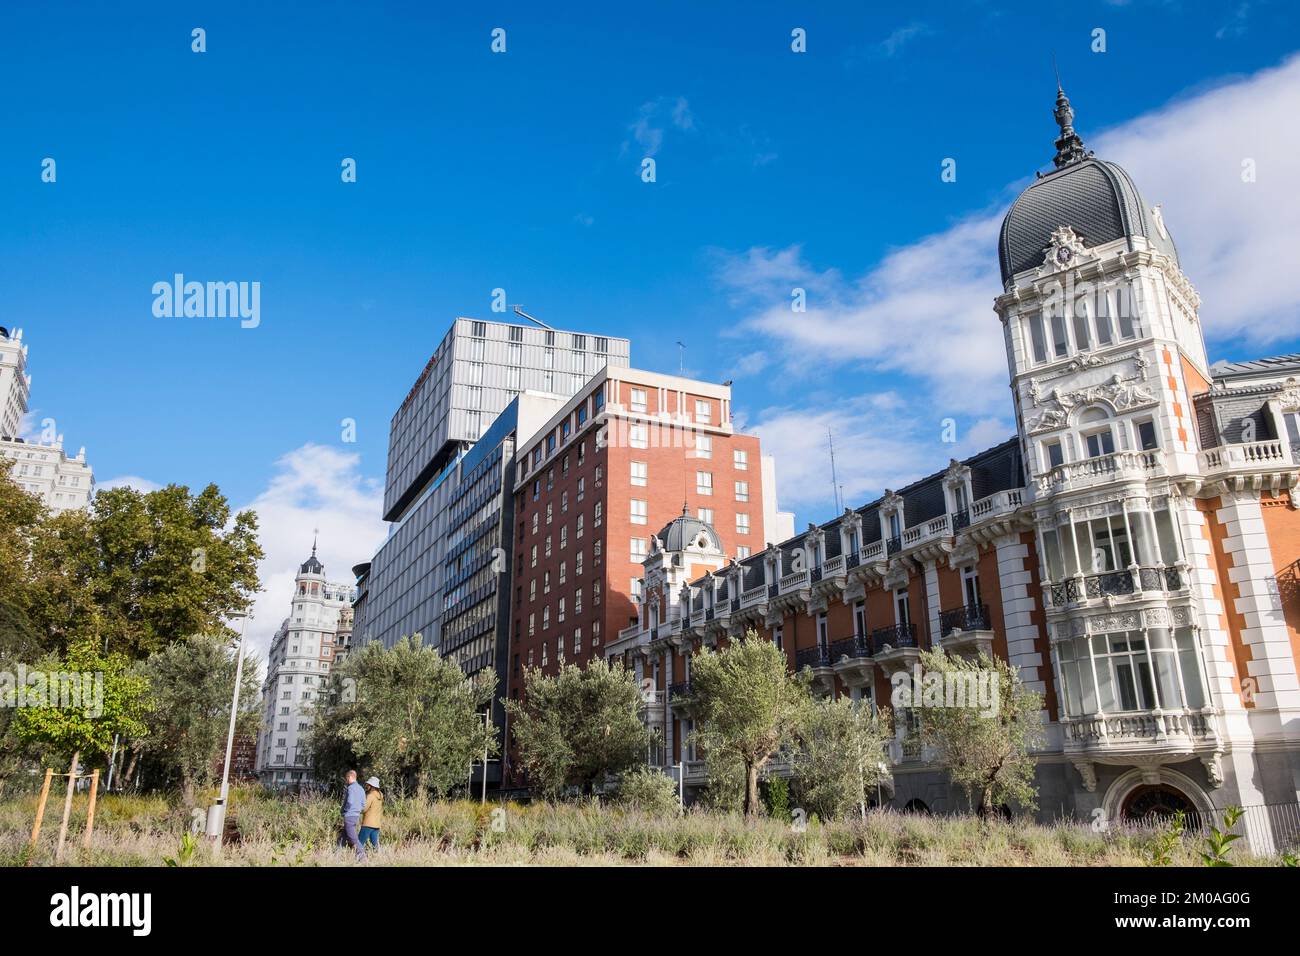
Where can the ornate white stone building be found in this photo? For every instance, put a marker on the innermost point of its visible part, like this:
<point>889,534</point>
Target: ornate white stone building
<point>302,654</point>
<point>42,468</point>
<point>1133,551</point>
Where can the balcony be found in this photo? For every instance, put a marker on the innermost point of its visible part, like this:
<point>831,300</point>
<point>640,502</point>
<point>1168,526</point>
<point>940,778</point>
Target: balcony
<point>967,630</point>
<point>652,714</point>
<point>997,505</point>
<point>795,581</point>
<point>813,657</point>
<point>960,520</point>
<point>1168,736</point>
<point>852,661</point>
<point>895,647</point>
<point>680,696</point>
<point>1117,466</point>
<point>1250,456</point>
<point>1105,584</point>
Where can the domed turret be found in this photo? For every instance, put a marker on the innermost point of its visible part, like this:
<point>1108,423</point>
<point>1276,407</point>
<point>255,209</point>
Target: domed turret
<point>312,565</point>
<point>686,532</point>
<point>1095,198</point>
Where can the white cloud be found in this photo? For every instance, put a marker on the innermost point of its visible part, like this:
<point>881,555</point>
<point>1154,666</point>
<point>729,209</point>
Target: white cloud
<point>924,312</point>
<point>655,117</point>
<point>313,487</point>
<point>893,44</point>
<point>143,485</point>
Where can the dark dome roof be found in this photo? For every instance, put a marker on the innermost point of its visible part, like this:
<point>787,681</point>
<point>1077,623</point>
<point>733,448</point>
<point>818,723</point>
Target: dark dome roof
<point>684,531</point>
<point>312,565</point>
<point>1094,197</point>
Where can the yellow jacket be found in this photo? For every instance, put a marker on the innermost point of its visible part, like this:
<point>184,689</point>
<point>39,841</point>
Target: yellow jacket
<point>373,815</point>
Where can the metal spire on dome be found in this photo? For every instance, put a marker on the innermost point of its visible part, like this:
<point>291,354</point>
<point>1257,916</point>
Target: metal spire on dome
<point>1069,147</point>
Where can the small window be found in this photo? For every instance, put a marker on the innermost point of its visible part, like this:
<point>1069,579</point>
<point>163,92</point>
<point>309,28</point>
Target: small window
<point>640,472</point>
<point>638,401</point>
<point>1055,454</point>
<point>1147,435</point>
<point>638,511</point>
<point>1100,443</point>
<point>740,459</point>
<point>704,482</point>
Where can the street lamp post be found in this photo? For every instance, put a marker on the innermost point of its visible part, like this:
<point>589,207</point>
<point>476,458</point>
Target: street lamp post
<point>217,812</point>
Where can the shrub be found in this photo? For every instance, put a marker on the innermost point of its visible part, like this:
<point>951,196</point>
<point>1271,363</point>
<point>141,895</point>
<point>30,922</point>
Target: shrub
<point>649,791</point>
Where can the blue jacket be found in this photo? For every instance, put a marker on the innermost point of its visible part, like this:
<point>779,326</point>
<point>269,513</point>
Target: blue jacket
<point>354,800</point>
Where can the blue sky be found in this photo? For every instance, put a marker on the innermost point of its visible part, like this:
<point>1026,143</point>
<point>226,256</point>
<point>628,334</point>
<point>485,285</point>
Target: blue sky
<point>521,170</point>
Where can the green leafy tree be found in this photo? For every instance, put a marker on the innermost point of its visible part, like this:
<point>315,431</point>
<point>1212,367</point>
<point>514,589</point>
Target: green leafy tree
<point>987,754</point>
<point>747,705</point>
<point>841,756</point>
<point>85,731</point>
<point>140,570</point>
<point>191,683</point>
<point>21,517</point>
<point>579,726</point>
<point>332,754</point>
<point>415,715</point>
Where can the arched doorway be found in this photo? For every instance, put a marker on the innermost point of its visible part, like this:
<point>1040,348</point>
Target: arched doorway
<point>1158,804</point>
<point>916,806</point>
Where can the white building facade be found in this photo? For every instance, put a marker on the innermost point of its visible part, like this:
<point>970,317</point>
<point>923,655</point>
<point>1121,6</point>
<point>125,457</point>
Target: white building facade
<point>40,467</point>
<point>302,654</point>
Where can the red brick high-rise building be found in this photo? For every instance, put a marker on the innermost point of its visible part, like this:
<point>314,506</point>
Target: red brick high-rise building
<point>594,487</point>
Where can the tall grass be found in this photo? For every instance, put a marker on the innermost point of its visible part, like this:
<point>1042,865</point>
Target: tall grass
<point>283,831</point>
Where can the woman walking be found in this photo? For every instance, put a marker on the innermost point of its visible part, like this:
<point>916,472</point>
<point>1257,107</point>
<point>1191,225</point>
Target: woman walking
<point>372,817</point>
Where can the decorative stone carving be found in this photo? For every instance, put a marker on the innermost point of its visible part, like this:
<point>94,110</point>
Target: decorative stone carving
<point>1104,623</point>
<point>1155,617</point>
<point>1214,769</point>
<point>1065,250</point>
<point>1088,773</point>
<point>1120,393</point>
<point>1181,615</point>
<point>1289,400</point>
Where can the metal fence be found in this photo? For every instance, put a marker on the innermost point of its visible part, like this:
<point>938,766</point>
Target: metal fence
<point>1267,829</point>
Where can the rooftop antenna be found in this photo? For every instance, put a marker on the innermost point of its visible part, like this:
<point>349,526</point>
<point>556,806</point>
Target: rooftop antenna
<point>835,485</point>
<point>519,311</point>
<point>681,359</point>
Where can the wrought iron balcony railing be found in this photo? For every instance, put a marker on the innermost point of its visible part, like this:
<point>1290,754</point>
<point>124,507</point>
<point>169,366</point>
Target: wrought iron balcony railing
<point>811,657</point>
<point>960,519</point>
<point>896,635</point>
<point>970,617</point>
<point>850,647</point>
<point>1108,583</point>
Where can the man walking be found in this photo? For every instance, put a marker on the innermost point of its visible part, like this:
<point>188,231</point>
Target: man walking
<point>354,802</point>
